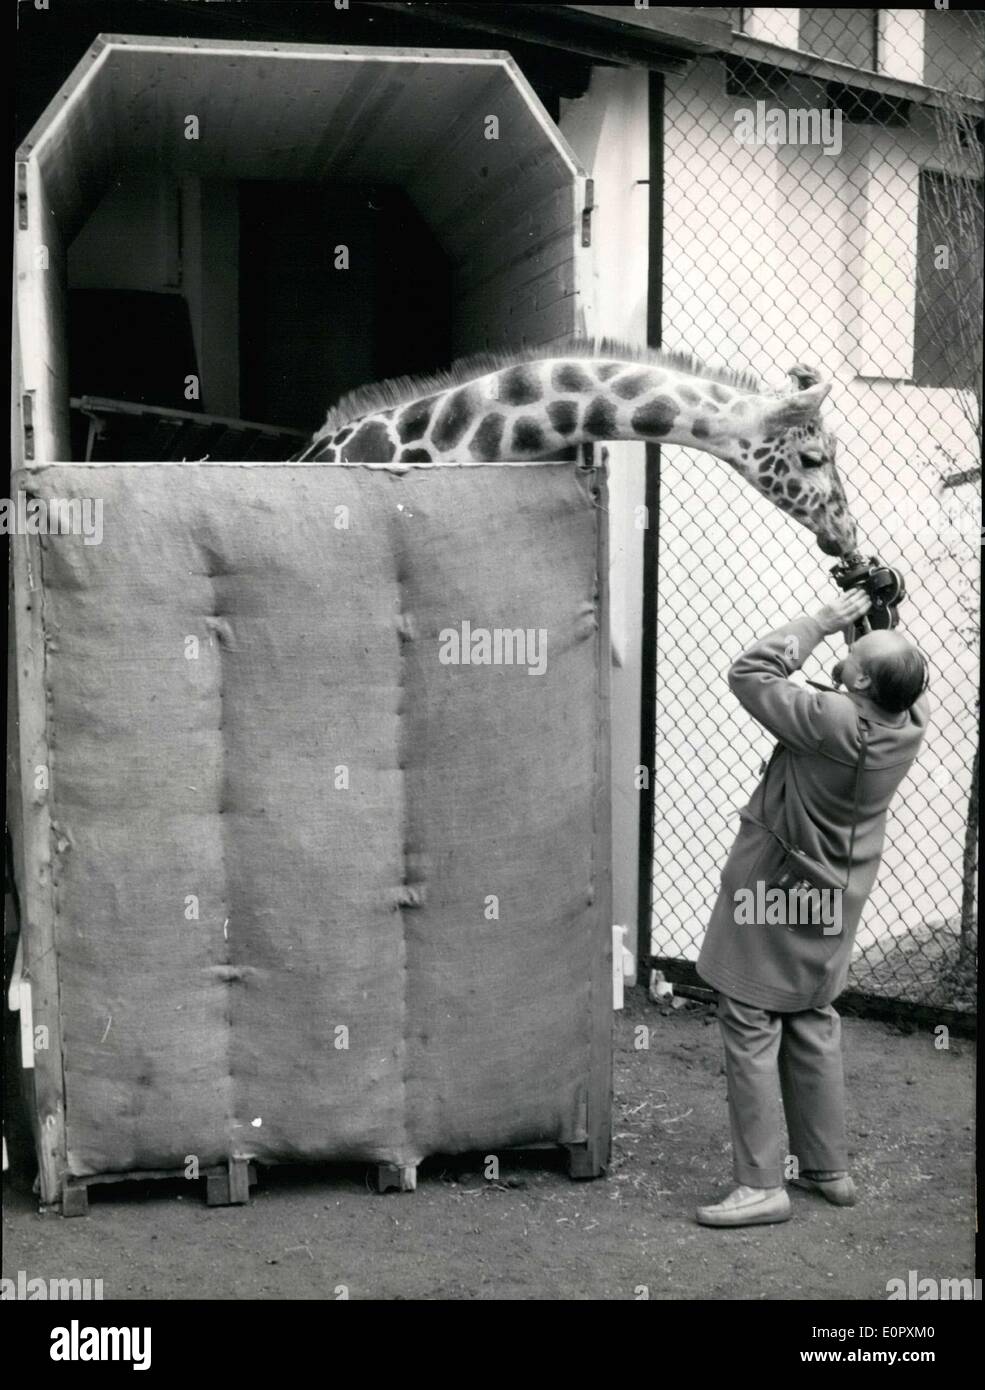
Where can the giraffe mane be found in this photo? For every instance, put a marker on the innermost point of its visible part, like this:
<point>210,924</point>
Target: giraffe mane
<point>400,390</point>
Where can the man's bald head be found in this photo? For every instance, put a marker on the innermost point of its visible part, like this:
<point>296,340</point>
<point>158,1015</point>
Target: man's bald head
<point>887,668</point>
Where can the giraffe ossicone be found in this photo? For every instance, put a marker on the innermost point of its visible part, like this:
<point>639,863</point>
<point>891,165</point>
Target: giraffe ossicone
<point>533,404</point>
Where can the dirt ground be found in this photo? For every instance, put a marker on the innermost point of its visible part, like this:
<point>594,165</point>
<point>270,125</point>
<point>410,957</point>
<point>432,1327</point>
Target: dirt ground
<point>535,1234</point>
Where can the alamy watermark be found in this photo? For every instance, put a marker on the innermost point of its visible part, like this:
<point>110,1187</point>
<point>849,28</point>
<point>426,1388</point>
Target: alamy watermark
<point>81,1343</point>
<point>924,1287</point>
<point>801,905</point>
<point>948,519</point>
<point>27,1288</point>
<point>809,126</point>
<point>497,646</point>
<point>52,516</point>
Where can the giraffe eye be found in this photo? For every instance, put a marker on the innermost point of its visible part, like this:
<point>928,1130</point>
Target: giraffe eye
<point>811,458</point>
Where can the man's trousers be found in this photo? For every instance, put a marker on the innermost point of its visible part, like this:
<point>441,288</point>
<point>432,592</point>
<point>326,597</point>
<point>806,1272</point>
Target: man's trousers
<point>796,1056</point>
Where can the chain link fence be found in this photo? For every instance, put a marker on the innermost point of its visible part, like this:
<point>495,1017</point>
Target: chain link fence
<point>844,230</point>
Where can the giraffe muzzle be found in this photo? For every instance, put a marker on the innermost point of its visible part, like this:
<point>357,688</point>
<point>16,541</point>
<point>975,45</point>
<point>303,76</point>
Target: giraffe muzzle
<point>830,546</point>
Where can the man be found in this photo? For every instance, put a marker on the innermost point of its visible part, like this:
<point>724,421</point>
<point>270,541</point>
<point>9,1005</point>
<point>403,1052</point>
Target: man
<point>777,970</point>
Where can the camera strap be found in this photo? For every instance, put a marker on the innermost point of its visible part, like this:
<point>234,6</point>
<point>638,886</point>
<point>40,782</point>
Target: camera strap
<point>863,733</point>
<point>792,849</point>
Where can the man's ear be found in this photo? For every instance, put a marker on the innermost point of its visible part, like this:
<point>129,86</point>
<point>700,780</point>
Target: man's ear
<point>797,408</point>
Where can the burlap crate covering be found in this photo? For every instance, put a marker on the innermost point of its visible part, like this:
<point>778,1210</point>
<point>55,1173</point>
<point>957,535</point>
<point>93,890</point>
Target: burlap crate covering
<point>342,994</point>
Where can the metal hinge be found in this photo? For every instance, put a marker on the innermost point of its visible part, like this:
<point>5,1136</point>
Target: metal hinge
<point>19,1000</point>
<point>22,197</point>
<point>586,216</point>
<point>27,423</point>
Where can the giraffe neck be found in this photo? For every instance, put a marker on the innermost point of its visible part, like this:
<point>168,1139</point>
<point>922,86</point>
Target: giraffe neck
<point>536,409</point>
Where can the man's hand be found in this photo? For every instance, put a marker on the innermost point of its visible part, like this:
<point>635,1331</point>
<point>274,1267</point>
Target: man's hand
<point>843,612</point>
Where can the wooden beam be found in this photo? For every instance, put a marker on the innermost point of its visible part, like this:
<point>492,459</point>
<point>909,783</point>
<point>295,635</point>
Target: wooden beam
<point>825,70</point>
<point>34,863</point>
<point>599,1116</point>
<point>562,27</point>
<point>695,31</point>
<point>102,405</point>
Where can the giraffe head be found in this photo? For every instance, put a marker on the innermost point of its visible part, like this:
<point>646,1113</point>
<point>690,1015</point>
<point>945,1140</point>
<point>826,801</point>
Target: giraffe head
<point>786,453</point>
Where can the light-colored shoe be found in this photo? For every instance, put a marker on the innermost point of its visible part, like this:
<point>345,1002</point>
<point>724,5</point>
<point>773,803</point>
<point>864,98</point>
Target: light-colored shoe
<point>840,1191</point>
<point>747,1206</point>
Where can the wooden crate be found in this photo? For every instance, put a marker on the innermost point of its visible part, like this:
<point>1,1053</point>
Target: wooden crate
<point>206,905</point>
<point>511,215</point>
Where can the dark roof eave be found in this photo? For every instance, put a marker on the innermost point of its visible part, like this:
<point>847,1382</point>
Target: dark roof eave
<point>590,31</point>
<point>826,70</point>
<point>668,39</point>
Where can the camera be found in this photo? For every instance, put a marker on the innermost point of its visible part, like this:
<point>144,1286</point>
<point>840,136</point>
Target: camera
<point>883,584</point>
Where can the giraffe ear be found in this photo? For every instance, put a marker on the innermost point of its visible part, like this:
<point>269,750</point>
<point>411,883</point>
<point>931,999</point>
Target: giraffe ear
<point>804,376</point>
<point>797,408</point>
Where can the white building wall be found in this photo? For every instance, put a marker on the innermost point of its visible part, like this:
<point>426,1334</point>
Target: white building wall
<point>901,44</point>
<point>771,24</point>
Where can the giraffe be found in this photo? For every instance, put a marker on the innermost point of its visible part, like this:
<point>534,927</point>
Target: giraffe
<point>533,404</point>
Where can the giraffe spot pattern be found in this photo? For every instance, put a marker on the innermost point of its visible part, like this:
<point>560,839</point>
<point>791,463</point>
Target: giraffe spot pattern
<point>415,456</point>
<point>371,443</point>
<point>454,419</point>
<point>414,419</point>
<point>518,386</point>
<point>633,385</point>
<point>600,419</point>
<point>563,415</point>
<point>701,429</point>
<point>487,438</point>
<point>689,395</point>
<point>570,377</point>
<point>528,437</point>
<point>657,417</point>
<point>719,393</point>
<point>606,370</point>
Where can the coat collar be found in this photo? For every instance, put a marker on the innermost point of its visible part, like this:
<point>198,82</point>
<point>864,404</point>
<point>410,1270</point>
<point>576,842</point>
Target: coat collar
<point>867,708</point>
<point>875,714</point>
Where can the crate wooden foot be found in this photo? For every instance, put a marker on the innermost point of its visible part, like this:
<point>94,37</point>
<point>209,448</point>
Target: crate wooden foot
<point>230,1188</point>
<point>584,1161</point>
<point>239,1181</point>
<point>217,1190</point>
<point>75,1201</point>
<point>402,1177</point>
